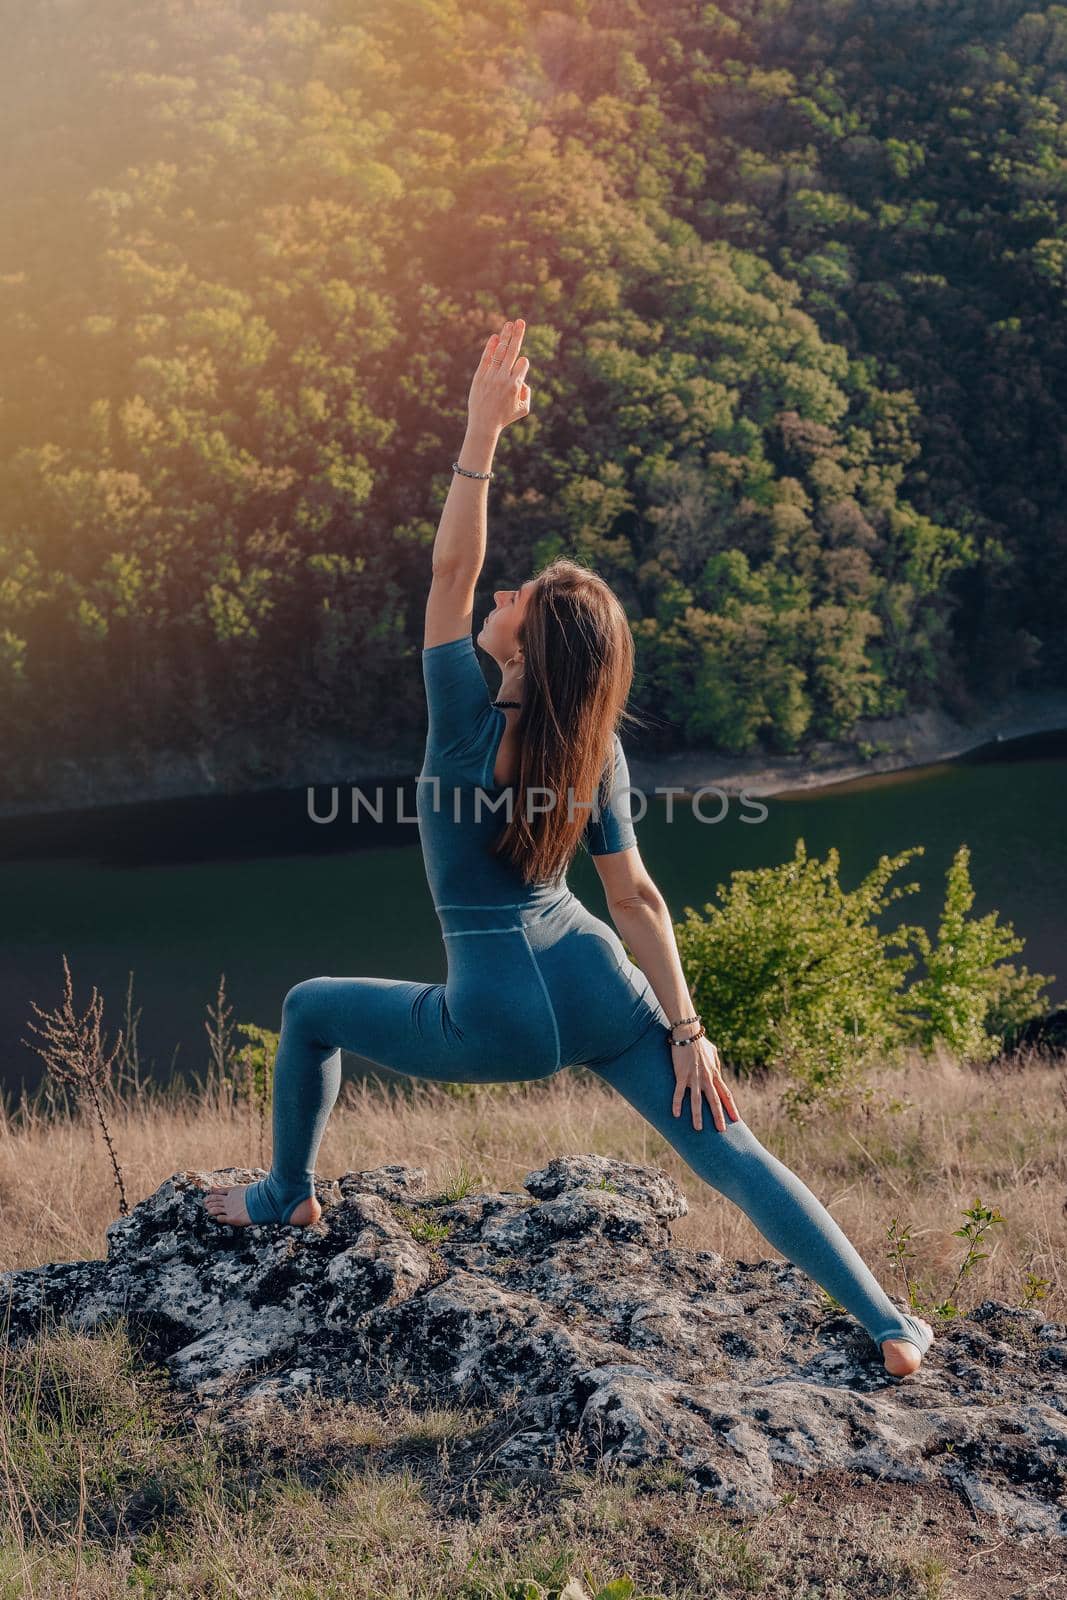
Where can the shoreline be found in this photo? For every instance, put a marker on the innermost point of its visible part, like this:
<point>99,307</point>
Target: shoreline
<point>908,743</point>
<point>901,744</point>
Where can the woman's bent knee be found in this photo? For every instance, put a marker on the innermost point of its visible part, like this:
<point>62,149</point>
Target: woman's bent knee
<point>302,1002</point>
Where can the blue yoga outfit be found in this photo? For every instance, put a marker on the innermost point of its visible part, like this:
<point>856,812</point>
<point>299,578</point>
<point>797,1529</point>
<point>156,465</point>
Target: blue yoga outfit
<point>535,983</point>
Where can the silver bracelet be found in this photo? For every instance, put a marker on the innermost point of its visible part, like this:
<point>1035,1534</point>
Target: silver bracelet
<point>457,468</point>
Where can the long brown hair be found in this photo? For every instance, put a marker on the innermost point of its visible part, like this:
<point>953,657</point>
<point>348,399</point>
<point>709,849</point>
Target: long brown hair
<point>578,655</point>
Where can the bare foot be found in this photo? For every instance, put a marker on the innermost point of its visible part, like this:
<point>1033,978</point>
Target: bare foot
<point>902,1358</point>
<point>228,1205</point>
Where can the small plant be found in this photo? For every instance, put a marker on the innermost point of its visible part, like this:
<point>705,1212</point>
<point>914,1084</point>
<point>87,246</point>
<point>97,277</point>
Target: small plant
<point>248,1072</point>
<point>75,1054</point>
<point>554,1581</point>
<point>604,1183</point>
<point>620,1589</point>
<point>899,1254</point>
<point>661,1476</point>
<point>980,1219</point>
<point>457,1187</point>
<point>219,1031</point>
<point>1034,1289</point>
<point>614,1589</point>
<point>422,1226</point>
<point>129,1055</point>
<point>561,1587</point>
<point>255,1076</point>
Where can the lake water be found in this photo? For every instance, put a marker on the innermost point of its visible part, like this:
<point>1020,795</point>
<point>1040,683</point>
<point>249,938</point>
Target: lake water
<point>180,892</point>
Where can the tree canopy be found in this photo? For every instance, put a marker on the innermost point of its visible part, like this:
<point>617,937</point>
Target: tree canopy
<point>793,275</point>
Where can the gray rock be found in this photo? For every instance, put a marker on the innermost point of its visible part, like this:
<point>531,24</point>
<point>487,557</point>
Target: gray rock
<point>568,1315</point>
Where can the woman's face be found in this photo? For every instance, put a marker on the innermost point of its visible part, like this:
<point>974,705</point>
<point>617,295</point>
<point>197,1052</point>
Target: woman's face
<point>499,635</point>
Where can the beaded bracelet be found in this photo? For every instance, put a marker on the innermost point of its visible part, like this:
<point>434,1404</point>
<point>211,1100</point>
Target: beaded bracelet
<point>467,474</point>
<point>683,1020</point>
<point>693,1037</point>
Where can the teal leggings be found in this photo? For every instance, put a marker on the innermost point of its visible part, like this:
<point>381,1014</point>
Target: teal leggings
<point>572,1001</point>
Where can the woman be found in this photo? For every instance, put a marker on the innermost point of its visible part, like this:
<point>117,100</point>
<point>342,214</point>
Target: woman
<point>535,981</point>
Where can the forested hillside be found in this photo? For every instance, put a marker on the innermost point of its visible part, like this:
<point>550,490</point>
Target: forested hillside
<point>794,279</point>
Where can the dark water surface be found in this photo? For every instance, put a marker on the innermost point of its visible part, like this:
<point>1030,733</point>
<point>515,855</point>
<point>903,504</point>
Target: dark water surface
<point>179,892</point>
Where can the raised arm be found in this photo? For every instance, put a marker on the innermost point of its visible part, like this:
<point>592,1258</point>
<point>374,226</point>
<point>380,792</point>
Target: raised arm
<point>498,396</point>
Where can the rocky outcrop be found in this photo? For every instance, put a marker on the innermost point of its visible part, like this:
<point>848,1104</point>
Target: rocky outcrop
<point>567,1310</point>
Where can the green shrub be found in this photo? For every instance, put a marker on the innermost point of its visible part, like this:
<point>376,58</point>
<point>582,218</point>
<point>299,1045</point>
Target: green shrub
<point>966,1001</point>
<point>790,971</point>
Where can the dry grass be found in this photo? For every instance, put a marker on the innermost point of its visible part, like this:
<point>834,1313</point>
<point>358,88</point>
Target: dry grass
<point>934,1139</point>
<point>110,1484</point>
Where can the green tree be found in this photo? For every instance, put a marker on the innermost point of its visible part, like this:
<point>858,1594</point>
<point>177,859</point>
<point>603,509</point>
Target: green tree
<point>794,282</point>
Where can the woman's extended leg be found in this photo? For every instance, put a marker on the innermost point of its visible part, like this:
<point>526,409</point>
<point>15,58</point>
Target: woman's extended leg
<point>774,1198</point>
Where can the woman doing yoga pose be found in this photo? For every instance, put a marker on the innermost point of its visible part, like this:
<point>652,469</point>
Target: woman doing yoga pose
<point>535,982</point>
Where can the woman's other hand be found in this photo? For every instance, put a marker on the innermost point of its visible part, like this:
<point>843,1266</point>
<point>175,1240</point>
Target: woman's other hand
<point>698,1069</point>
<point>499,394</point>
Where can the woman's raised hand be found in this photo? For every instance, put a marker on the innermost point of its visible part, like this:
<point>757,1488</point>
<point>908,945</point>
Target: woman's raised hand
<point>499,394</point>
